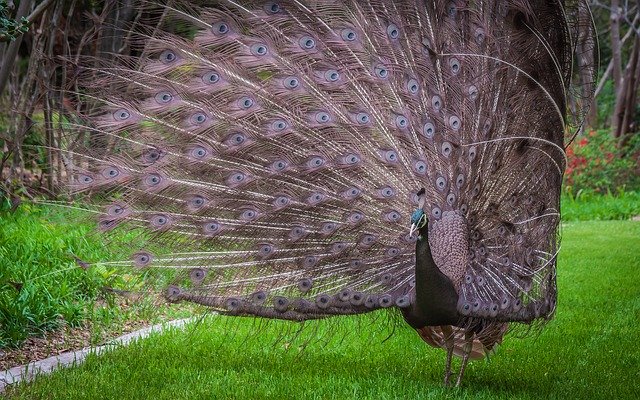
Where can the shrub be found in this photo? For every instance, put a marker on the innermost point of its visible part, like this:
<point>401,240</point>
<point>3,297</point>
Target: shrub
<point>595,163</point>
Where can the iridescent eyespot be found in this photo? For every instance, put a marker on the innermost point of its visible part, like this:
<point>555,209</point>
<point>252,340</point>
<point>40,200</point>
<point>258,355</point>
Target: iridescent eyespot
<point>291,82</point>
<point>412,86</point>
<point>381,71</point>
<point>455,65</point>
<point>392,31</point>
<point>168,56</point>
<point>390,156</point>
<point>272,7</point>
<point>259,49</point>
<point>220,28</point>
<point>110,172</point>
<point>163,97</point>
<point>121,114</point>
<point>402,122</point>
<point>348,35</point>
<point>198,118</point>
<point>363,118</point>
<point>210,77</point>
<point>198,152</point>
<point>322,117</point>
<point>332,75</point>
<point>245,102</point>
<point>428,130</point>
<point>436,102</point>
<point>307,43</point>
<point>279,125</point>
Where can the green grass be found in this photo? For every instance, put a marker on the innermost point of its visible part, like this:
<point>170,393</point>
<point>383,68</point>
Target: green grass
<point>41,285</point>
<point>591,206</point>
<point>590,351</point>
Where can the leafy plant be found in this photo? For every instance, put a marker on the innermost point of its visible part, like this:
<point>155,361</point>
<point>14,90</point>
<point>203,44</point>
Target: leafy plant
<point>10,28</point>
<point>595,163</point>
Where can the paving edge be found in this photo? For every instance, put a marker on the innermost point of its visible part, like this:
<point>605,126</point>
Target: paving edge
<point>29,371</point>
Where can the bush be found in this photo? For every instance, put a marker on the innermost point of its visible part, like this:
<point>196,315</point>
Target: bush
<point>595,163</point>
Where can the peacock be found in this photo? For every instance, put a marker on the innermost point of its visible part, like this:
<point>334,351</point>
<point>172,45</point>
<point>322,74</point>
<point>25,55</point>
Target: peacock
<point>300,160</point>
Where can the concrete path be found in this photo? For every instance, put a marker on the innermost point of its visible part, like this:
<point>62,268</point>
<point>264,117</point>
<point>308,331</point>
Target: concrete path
<point>29,371</point>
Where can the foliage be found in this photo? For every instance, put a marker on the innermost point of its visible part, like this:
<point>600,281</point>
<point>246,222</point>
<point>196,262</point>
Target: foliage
<point>10,28</point>
<point>591,206</point>
<point>589,351</point>
<point>595,163</point>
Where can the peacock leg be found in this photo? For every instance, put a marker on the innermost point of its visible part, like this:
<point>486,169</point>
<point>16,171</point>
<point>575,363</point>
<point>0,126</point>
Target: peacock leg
<point>468,345</point>
<point>447,332</point>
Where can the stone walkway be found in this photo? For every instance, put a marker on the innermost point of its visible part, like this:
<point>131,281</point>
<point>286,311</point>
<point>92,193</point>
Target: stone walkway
<point>29,371</point>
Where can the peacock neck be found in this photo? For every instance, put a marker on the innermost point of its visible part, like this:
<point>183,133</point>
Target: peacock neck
<point>435,296</point>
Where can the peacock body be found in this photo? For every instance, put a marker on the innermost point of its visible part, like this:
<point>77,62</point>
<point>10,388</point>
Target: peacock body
<point>301,160</point>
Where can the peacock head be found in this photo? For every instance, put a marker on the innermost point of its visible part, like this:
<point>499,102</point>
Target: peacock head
<point>418,217</point>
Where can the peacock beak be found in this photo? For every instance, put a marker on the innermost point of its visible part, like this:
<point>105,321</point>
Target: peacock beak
<point>414,227</point>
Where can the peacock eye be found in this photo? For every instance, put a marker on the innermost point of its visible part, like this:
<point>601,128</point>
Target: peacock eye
<point>428,130</point>
<point>412,86</point>
<point>236,139</point>
<point>391,156</point>
<point>472,91</point>
<point>168,56</point>
<point>355,217</point>
<point>402,122</point>
<point>479,35</point>
<point>381,71</point>
<point>441,183</point>
<point>472,153</point>
<point>436,212</point>
<point>348,35</point>
<point>198,152</point>
<point>210,77</point>
<point>211,227</point>
<point>110,172</point>
<point>332,75</point>
<point>454,63</point>
<point>454,122</point>
<point>279,125</point>
<point>307,43</point>
<point>86,179</point>
<point>447,148</point>
<point>351,159</point>
<point>245,102</point>
<point>282,201</point>
<point>279,165</point>
<point>141,259</point>
<point>163,97</point>
<point>272,7</point>
<point>322,117</point>
<point>436,102</point>
<point>363,118</point>
<point>220,28</point>
<point>196,202</point>
<point>198,118</point>
<point>315,162</point>
<point>387,192</point>
<point>152,180</point>
<point>266,249</point>
<point>248,215</point>
<point>291,82</point>
<point>259,49</point>
<point>420,167</point>
<point>121,114</point>
<point>392,31</point>
<point>393,216</point>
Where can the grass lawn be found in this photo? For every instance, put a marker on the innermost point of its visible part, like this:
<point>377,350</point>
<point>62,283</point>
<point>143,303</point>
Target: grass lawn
<point>589,351</point>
